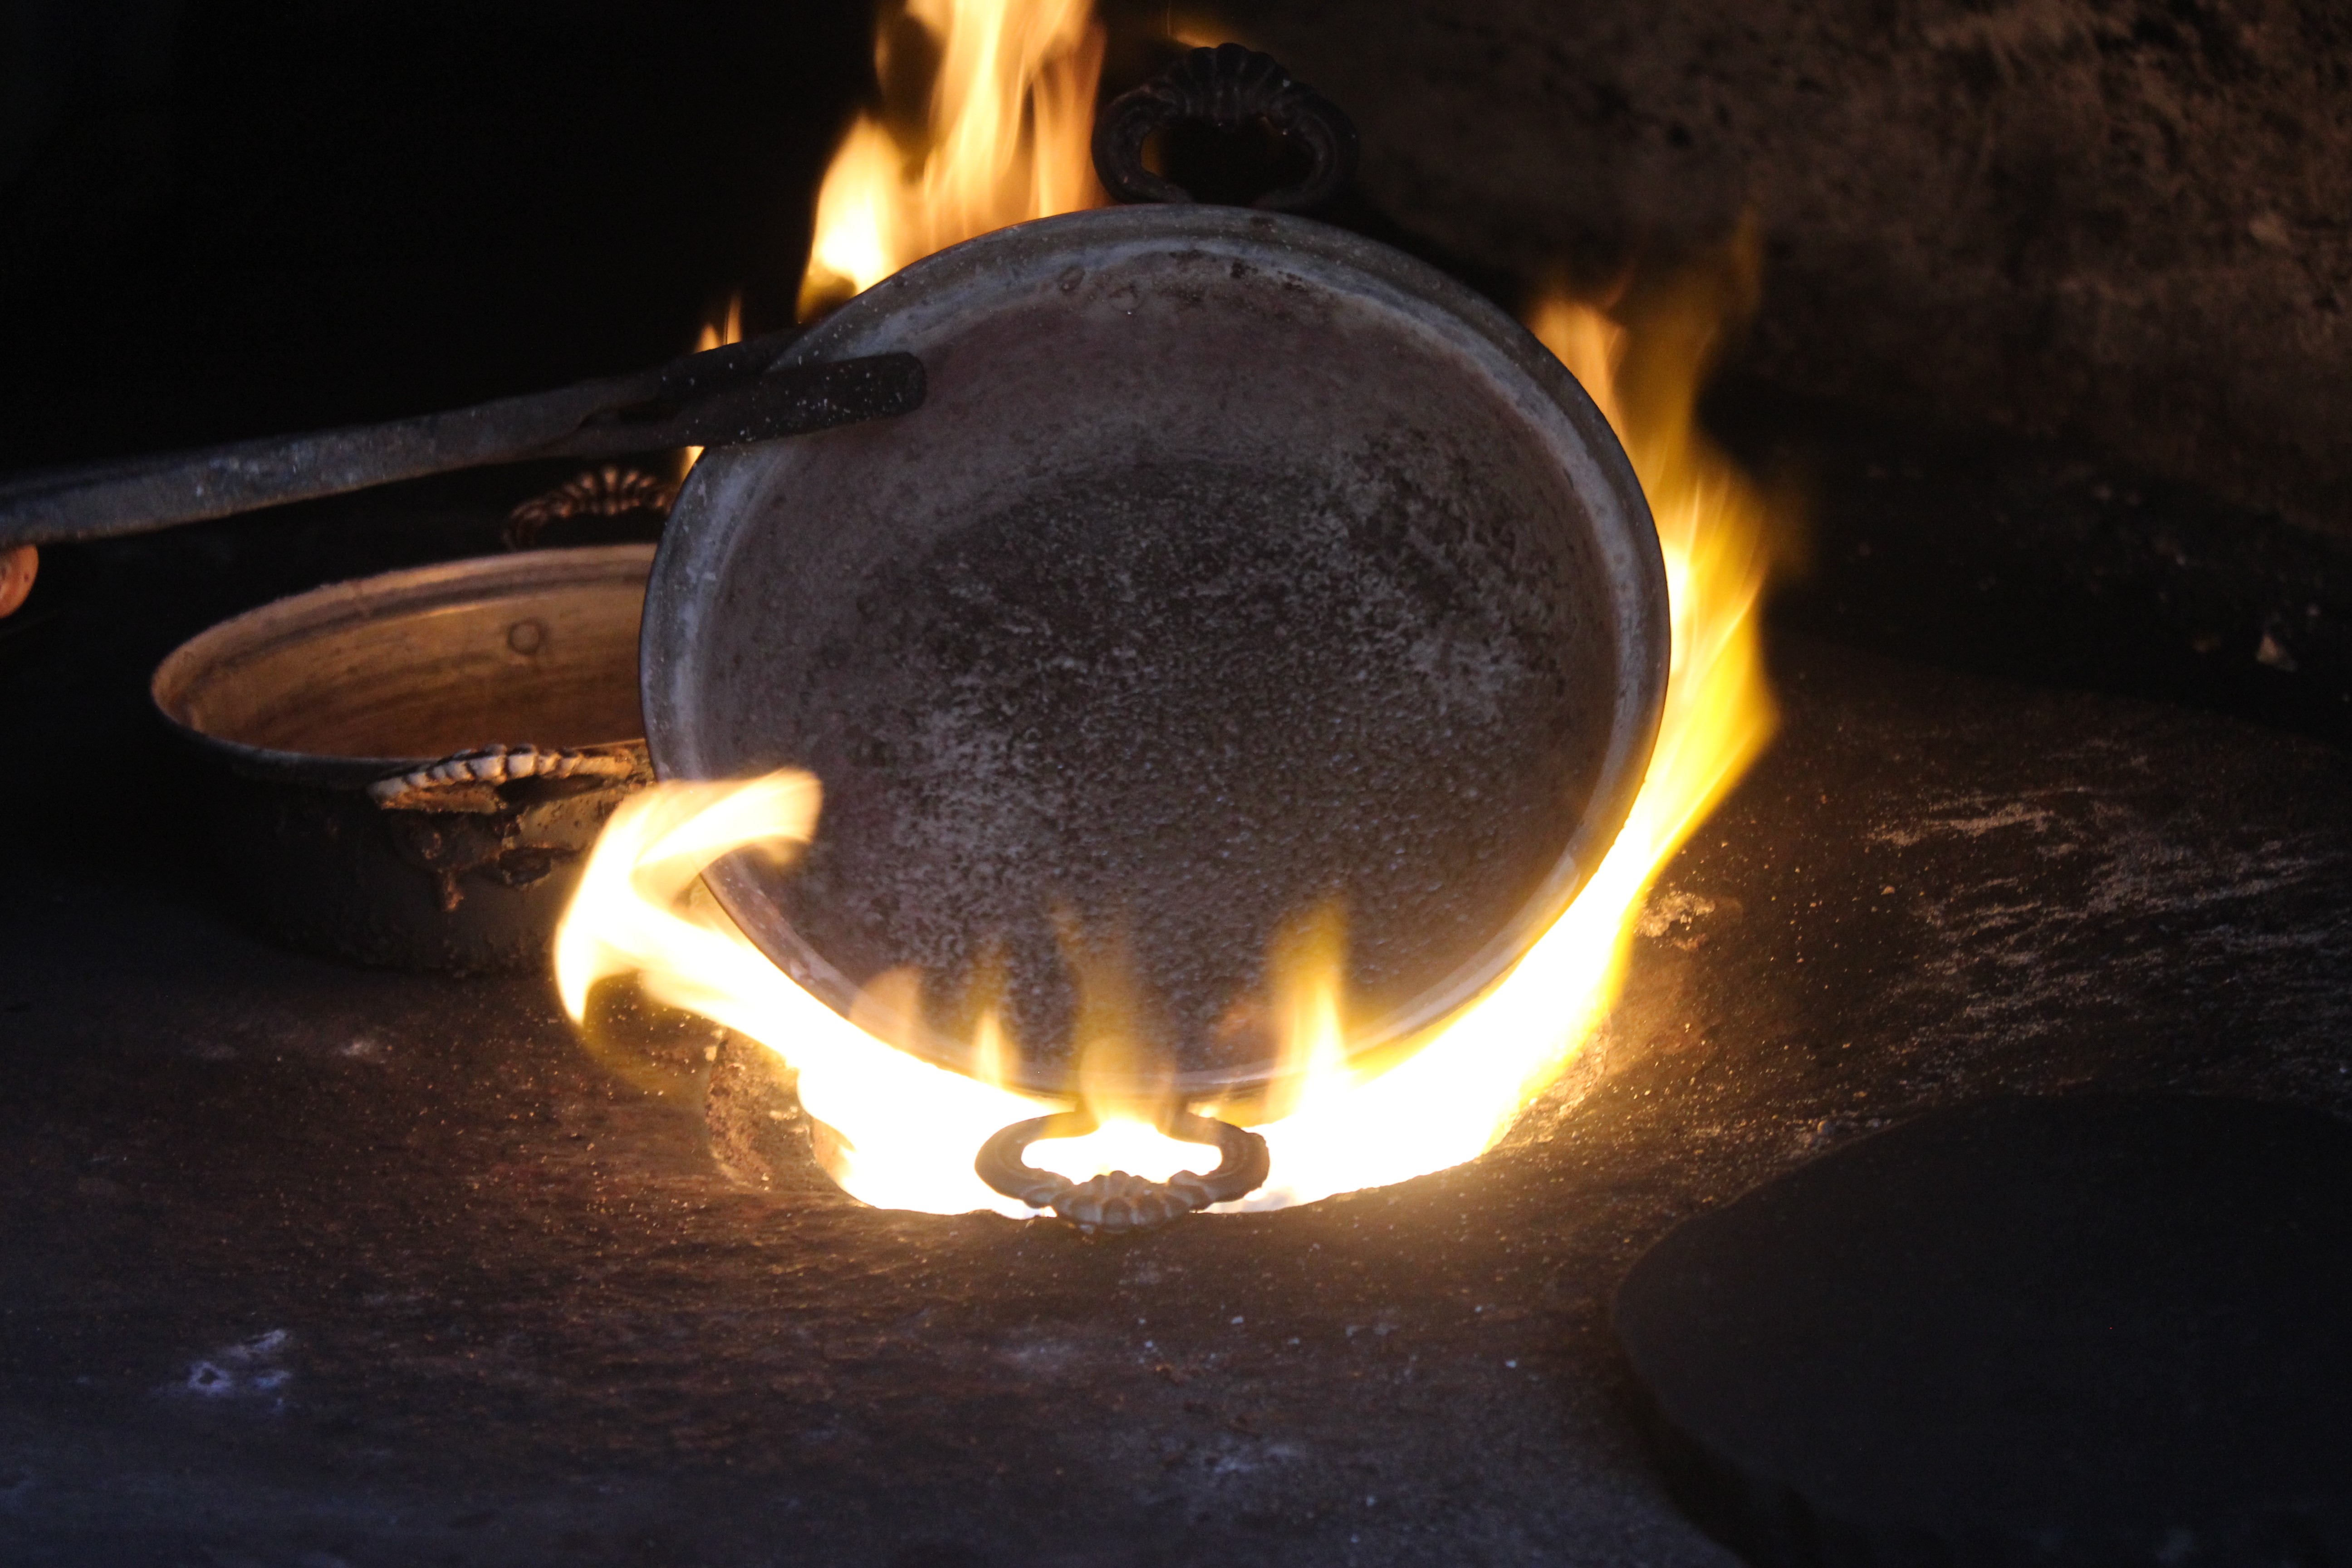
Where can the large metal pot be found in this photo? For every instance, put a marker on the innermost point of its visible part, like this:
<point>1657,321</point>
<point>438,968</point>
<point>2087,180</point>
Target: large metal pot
<point>1237,566</point>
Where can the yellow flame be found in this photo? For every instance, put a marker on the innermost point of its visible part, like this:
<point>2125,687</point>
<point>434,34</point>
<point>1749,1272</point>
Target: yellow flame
<point>1005,139</point>
<point>1459,1093</point>
<point>902,1126</point>
<point>727,329</point>
<point>907,1131</point>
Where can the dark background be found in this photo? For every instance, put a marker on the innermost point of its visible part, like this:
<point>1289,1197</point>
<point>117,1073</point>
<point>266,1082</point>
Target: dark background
<point>226,220</point>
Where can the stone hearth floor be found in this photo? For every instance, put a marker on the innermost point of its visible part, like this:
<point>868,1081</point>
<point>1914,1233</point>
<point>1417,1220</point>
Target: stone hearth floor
<point>305,1264</point>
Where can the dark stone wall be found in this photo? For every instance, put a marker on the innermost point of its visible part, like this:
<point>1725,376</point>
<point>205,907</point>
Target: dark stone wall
<point>2126,223</point>
<point>220,218</point>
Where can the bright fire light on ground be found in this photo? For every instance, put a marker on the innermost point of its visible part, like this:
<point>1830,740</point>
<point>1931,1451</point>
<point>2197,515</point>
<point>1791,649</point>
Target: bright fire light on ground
<point>906,1131</point>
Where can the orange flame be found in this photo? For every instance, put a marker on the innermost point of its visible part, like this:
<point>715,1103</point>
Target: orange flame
<point>1460,1092</point>
<point>907,1131</point>
<point>902,1125</point>
<point>1005,139</point>
<point>718,334</point>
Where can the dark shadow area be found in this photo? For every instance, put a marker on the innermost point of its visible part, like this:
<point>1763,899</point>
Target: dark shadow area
<point>2038,563</point>
<point>229,220</point>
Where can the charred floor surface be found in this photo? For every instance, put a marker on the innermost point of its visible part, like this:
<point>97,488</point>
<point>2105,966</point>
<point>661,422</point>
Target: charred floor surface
<point>307,1265</point>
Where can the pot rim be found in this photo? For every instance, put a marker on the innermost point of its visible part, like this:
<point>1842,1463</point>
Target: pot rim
<point>899,308</point>
<point>300,616</point>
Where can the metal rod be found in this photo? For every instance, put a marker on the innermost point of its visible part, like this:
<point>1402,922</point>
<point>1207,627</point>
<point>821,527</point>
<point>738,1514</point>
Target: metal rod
<point>718,397</point>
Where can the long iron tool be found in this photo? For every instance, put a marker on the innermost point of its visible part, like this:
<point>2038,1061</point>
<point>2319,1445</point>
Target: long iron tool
<point>718,397</point>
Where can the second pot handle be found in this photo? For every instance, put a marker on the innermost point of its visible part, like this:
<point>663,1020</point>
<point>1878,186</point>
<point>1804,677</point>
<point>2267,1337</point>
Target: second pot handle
<point>469,780</point>
<point>1228,87</point>
<point>1117,1201</point>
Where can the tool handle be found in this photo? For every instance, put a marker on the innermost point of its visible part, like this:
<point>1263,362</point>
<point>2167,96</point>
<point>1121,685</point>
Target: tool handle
<point>135,495</point>
<point>713,398</point>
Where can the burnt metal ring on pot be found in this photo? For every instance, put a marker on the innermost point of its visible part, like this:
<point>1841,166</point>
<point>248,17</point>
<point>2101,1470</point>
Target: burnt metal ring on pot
<point>1118,1201</point>
<point>469,780</point>
<point>1228,87</point>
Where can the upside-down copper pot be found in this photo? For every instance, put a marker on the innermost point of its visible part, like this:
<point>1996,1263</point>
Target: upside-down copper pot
<point>1237,572</point>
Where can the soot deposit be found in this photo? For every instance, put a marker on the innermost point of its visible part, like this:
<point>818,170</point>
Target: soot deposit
<point>1108,744</point>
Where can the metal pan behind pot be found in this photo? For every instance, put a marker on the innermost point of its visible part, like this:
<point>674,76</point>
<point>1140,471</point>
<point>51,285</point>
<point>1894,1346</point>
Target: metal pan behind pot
<point>407,769</point>
<point>1236,568</point>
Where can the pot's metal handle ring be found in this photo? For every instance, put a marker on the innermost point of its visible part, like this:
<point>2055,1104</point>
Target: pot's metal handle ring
<point>612,490</point>
<point>469,780</point>
<point>1228,86</point>
<point>1119,1202</point>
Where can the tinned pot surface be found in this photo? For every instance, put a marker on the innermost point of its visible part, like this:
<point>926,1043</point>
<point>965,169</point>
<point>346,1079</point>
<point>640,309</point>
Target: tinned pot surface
<point>1237,574</point>
<point>304,716</point>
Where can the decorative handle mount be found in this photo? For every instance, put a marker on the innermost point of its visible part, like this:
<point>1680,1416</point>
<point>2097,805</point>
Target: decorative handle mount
<point>1228,87</point>
<point>469,780</point>
<point>1119,1202</point>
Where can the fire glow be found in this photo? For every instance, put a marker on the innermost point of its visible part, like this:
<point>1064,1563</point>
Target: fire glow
<point>1005,139</point>
<point>903,1132</point>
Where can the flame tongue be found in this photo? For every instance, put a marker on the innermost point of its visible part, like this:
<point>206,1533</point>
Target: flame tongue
<point>1004,139</point>
<point>907,1130</point>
